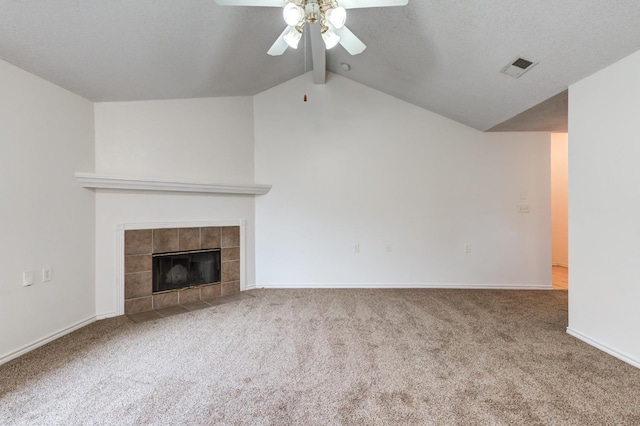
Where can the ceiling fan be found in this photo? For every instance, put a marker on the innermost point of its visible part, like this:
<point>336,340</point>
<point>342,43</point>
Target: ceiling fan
<point>330,15</point>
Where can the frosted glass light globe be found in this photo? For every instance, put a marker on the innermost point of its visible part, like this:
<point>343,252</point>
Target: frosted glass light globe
<point>292,14</point>
<point>337,17</point>
<point>292,37</point>
<point>330,38</point>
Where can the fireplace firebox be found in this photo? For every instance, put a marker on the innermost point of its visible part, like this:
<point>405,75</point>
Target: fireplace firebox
<point>173,271</point>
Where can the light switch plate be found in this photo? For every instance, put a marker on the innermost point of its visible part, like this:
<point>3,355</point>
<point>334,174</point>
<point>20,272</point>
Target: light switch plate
<point>524,208</point>
<point>27,278</point>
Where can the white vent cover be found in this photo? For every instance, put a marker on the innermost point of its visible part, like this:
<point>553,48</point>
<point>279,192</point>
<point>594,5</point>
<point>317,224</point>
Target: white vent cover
<point>518,66</point>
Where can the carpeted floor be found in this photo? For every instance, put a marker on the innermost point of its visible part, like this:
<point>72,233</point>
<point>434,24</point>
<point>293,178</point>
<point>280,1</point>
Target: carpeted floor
<point>316,357</point>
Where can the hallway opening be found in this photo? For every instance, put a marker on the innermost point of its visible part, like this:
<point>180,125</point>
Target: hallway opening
<point>559,211</point>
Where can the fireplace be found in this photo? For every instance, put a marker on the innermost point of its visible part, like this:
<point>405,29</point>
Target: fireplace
<point>205,265</point>
<point>185,269</point>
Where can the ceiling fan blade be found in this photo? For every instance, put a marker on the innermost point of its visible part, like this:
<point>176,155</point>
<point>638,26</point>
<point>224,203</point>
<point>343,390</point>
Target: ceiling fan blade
<point>280,45</point>
<point>349,41</point>
<point>265,3</point>
<point>355,4</point>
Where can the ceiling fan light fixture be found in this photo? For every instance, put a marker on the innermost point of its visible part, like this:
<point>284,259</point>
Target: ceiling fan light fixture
<point>292,37</point>
<point>330,38</point>
<point>337,16</point>
<point>312,11</point>
<point>292,14</point>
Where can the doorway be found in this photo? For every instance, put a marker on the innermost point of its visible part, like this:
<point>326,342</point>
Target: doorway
<point>559,211</point>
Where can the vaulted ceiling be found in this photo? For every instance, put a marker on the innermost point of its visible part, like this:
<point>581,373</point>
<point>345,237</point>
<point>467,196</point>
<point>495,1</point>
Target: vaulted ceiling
<point>442,55</point>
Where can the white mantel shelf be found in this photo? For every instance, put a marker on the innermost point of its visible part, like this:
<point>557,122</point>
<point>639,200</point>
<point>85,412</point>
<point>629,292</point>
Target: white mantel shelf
<point>98,181</point>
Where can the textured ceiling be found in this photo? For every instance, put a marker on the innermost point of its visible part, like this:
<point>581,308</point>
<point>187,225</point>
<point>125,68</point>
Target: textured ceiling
<point>551,115</point>
<point>441,55</point>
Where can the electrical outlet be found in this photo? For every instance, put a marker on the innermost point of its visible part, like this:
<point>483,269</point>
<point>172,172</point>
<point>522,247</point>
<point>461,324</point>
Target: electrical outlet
<point>356,248</point>
<point>388,247</point>
<point>467,248</point>
<point>46,274</point>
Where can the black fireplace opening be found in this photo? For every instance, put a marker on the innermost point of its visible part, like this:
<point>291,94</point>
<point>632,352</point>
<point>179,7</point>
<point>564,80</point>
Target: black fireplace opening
<point>185,269</point>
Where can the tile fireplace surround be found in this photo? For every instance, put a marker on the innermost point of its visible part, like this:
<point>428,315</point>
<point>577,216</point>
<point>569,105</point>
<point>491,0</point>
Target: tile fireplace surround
<point>141,244</point>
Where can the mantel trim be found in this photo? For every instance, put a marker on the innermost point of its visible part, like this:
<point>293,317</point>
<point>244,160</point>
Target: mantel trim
<point>100,181</point>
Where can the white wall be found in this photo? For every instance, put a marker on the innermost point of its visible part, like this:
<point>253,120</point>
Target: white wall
<point>355,166</point>
<point>204,140</point>
<point>47,219</point>
<point>208,140</point>
<point>604,200</point>
<point>559,199</point>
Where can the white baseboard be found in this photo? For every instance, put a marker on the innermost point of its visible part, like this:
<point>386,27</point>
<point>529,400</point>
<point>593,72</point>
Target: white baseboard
<point>409,285</point>
<point>621,356</point>
<point>106,315</point>
<point>28,348</point>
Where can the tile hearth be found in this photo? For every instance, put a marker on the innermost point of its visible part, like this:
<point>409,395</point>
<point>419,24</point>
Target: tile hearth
<point>140,245</point>
<point>181,309</point>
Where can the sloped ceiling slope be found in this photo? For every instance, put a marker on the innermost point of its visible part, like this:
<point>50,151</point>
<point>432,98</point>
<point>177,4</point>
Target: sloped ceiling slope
<point>441,55</point>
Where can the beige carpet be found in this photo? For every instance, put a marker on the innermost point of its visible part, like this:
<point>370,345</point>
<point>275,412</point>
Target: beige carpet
<point>344,357</point>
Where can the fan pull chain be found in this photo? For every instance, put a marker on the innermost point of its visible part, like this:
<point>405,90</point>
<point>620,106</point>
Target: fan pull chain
<point>305,57</point>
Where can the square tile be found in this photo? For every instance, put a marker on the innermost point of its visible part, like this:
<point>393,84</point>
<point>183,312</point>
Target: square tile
<point>172,310</point>
<point>230,254</point>
<point>211,237</point>
<point>189,295</point>
<point>137,263</point>
<point>163,300</point>
<point>165,240</point>
<point>137,241</point>
<point>210,291</point>
<point>137,285</point>
<point>231,236</point>
<point>196,306</point>
<point>218,301</point>
<point>230,288</point>
<point>134,306</point>
<point>144,316</point>
<point>189,239</point>
<point>231,271</point>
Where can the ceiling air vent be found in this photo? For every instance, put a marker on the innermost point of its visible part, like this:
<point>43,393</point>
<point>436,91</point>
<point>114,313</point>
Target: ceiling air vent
<point>518,66</point>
